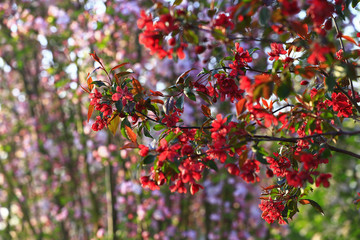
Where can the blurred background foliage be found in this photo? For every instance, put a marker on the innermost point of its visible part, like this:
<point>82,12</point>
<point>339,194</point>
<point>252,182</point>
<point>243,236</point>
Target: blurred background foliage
<point>60,180</point>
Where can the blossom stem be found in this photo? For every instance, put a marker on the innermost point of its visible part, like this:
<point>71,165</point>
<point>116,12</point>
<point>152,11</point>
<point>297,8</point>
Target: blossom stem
<point>343,48</point>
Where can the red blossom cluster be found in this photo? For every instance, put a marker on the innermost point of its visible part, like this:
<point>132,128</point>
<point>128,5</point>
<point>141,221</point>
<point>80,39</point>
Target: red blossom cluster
<point>341,104</point>
<point>241,59</point>
<point>154,33</point>
<point>272,210</point>
<point>104,108</point>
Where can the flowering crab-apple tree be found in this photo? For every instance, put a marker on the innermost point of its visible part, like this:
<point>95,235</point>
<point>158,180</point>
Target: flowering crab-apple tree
<point>297,89</point>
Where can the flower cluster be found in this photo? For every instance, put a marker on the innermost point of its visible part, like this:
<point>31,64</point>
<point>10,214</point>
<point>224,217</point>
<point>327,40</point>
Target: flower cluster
<point>154,33</point>
<point>272,210</point>
<point>241,59</point>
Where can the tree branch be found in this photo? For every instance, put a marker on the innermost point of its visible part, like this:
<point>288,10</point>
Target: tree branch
<point>335,149</point>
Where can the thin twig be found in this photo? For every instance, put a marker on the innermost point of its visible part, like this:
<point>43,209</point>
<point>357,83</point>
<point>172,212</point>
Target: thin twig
<point>279,109</point>
<point>294,139</point>
<point>343,48</point>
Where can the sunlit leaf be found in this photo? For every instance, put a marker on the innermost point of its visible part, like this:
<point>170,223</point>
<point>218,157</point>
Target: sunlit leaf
<point>90,111</point>
<point>130,134</point>
<point>240,106</point>
<point>114,123</point>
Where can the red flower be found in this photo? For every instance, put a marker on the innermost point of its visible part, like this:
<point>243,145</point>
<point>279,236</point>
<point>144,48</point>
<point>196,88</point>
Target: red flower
<point>122,94</point>
<point>249,170</point>
<point>228,87</point>
<point>318,54</point>
<point>232,169</point>
<point>340,54</point>
<point>290,7</point>
<point>144,150</point>
<point>98,124</point>
<point>147,183</point>
<point>296,179</point>
<point>323,179</point>
<point>269,173</point>
<point>245,84</point>
<point>199,49</point>
<point>194,188</point>
<point>166,152</point>
<point>320,10</point>
<point>95,97</point>
<point>171,119</point>
<point>223,21</point>
<point>276,50</point>
<point>279,29</point>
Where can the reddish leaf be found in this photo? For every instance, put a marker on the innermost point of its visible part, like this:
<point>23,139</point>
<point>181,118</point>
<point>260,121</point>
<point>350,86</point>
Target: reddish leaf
<point>240,106</point>
<point>95,57</point>
<point>264,198</point>
<point>301,29</point>
<point>129,145</point>
<point>180,79</point>
<point>265,103</point>
<point>262,78</point>
<point>157,101</point>
<point>156,93</point>
<point>118,66</point>
<point>350,39</point>
<point>206,111</point>
<point>243,157</point>
<point>90,111</point>
<point>137,87</point>
<point>89,81</point>
<point>270,187</point>
<point>304,201</point>
<point>130,134</point>
<point>86,90</point>
<point>267,90</point>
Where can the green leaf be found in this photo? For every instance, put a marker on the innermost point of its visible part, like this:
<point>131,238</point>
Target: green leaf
<point>314,205</point>
<point>177,2</point>
<point>147,133</point>
<point>264,16</point>
<point>98,83</point>
<point>229,118</point>
<point>191,36</point>
<point>252,50</point>
<point>212,165</point>
<point>354,3</point>
<point>118,105</point>
<point>149,159</point>
<point>170,136</point>
<point>283,91</point>
<point>124,122</point>
<point>158,127</point>
<point>330,82</point>
<point>180,102</point>
<point>205,97</point>
<point>260,154</point>
<point>190,94</point>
